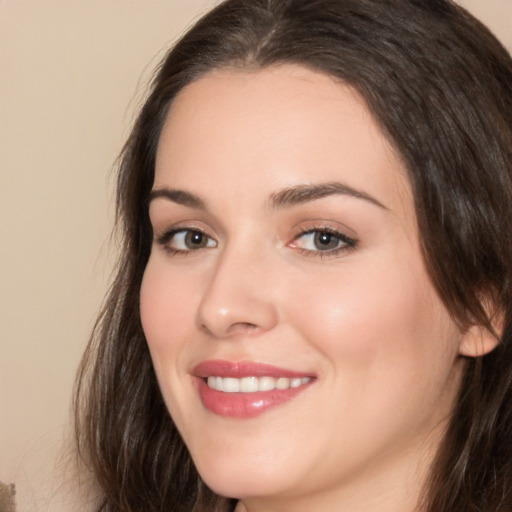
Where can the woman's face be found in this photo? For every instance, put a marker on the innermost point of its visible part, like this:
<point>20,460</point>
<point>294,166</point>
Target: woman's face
<point>300,346</point>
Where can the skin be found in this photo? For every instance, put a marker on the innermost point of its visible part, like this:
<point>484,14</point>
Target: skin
<point>365,319</point>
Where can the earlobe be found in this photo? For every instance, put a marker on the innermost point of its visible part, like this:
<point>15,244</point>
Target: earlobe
<point>479,340</point>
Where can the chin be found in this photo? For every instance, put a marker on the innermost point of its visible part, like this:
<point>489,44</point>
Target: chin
<point>245,480</point>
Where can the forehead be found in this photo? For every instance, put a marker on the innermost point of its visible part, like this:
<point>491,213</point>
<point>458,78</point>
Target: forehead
<point>276,127</point>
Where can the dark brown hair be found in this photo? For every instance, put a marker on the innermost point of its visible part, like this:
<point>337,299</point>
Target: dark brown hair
<point>440,86</point>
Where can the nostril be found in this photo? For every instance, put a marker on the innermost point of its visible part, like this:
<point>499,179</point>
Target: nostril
<point>206,330</point>
<point>245,327</point>
<point>233,329</point>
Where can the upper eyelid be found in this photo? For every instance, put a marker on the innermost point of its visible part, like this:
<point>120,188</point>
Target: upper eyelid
<point>170,232</point>
<point>163,220</point>
<point>161,228</point>
<point>331,231</point>
<point>330,226</point>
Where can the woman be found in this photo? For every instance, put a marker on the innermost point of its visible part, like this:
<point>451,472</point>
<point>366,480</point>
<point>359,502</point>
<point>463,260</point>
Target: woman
<point>312,309</point>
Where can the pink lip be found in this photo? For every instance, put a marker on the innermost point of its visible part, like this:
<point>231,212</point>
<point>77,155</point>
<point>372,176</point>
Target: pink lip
<point>239,369</point>
<point>243,405</point>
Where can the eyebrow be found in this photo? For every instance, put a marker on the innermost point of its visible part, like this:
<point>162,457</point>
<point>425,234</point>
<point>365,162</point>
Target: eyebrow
<point>292,196</point>
<point>287,197</point>
<point>179,197</point>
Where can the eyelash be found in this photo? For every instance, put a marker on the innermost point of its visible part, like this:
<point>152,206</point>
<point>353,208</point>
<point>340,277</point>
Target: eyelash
<point>165,239</point>
<point>347,243</point>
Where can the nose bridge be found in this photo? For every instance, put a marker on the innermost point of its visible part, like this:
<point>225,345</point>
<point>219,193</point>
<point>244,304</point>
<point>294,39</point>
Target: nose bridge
<point>237,296</point>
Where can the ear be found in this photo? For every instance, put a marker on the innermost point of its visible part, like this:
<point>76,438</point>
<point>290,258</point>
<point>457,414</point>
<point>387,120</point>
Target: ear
<point>479,340</point>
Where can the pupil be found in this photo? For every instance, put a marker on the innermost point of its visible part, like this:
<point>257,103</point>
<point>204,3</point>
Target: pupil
<point>326,241</point>
<point>195,238</point>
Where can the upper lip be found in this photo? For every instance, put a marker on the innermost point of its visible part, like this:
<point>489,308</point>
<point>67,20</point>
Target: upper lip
<point>240,369</point>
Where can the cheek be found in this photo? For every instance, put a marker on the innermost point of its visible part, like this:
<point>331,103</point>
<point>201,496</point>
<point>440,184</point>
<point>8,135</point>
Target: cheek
<point>352,311</point>
<point>385,321</point>
<point>166,309</point>
<point>390,350</point>
<point>167,314</point>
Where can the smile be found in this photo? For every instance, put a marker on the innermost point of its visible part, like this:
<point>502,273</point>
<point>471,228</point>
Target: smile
<point>246,389</point>
<point>254,384</point>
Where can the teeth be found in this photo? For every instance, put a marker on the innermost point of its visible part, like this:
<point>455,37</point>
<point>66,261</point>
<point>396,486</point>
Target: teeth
<point>266,384</point>
<point>253,384</point>
<point>295,383</point>
<point>249,385</point>
<point>230,385</point>
<point>283,383</point>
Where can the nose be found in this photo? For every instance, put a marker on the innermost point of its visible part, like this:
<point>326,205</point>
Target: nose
<point>239,297</point>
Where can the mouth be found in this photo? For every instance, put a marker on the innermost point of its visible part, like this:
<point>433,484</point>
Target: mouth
<point>246,389</point>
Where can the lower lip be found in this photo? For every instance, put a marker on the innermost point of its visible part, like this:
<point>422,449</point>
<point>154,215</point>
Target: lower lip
<point>245,405</point>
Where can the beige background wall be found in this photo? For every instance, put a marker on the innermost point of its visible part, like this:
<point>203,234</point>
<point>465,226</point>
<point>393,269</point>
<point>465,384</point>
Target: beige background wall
<point>71,74</point>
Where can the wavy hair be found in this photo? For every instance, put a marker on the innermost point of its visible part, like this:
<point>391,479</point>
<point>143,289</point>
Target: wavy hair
<point>440,86</point>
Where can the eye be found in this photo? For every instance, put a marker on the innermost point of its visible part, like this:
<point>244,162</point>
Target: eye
<point>322,241</point>
<point>185,240</point>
